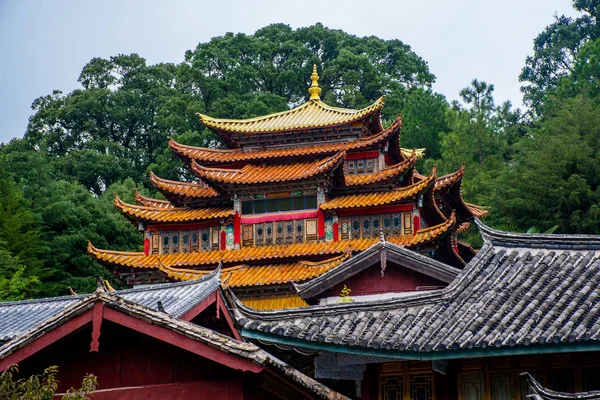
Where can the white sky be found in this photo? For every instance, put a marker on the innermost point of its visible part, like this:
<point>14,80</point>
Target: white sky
<point>44,44</point>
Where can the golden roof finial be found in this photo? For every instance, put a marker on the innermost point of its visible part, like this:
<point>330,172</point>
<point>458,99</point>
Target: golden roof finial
<point>314,89</point>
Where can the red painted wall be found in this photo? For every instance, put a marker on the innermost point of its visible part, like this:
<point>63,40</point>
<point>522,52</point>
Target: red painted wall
<point>128,359</point>
<point>395,279</point>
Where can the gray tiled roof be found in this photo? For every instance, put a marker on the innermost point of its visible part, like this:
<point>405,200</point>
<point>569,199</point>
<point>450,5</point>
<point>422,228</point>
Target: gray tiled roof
<point>377,253</point>
<point>538,392</point>
<point>19,316</point>
<point>177,299</point>
<point>201,334</point>
<point>519,290</point>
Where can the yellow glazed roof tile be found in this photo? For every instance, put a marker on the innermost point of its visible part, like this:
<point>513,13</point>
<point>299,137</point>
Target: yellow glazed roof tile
<point>379,198</point>
<point>385,174</point>
<point>275,303</point>
<point>173,214</point>
<point>312,114</point>
<point>252,174</point>
<point>186,189</point>
<point>450,179</point>
<point>149,202</point>
<point>201,154</point>
<point>260,275</point>
<point>264,253</point>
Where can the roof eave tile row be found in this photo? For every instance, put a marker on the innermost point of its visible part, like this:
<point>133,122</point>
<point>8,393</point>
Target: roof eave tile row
<point>225,156</point>
<point>263,253</point>
<point>171,214</point>
<point>310,115</point>
<point>259,275</point>
<point>508,296</point>
<point>257,174</point>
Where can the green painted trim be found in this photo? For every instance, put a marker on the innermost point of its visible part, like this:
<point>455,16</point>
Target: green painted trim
<point>426,356</point>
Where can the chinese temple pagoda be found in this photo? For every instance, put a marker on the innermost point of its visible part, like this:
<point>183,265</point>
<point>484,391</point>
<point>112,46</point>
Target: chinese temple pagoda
<point>294,195</point>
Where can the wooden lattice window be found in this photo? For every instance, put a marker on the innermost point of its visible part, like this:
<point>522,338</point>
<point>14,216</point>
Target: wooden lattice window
<point>471,386</point>
<point>345,228</point>
<point>195,241</point>
<point>392,387</point>
<point>247,235</point>
<point>311,230</point>
<point>279,236</point>
<point>501,385</point>
<point>421,387</point>
<point>185,241</point>
<point>299,231</point>
<point>205,239</point>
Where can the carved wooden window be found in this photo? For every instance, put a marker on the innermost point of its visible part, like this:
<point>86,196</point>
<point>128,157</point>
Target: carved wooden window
<point>311,230</point>
<point>269,233</point>
<point>345,228</point>
<point>259,235</point>
<point>185,241</point>
<point>155,243</point>
<point>279,236</point>
<point>369,165</point>
<point>366,226</point>
<point>195,241</point>
<point>364,166</point>
<point>175,242</point>
<point>413,386</point>
<point>289,231</point>
<point>392,387</point>
<point>166,242</point>
<point>471,386</point>
<point>215,236</point>
<point>205,239</point>
<point>247,235</point>
<point>350,167</point>
<point>421,387</point>
<point>501,385</point>
<point>355,228</point>
<point>407,223</point>
<point>299,231</point>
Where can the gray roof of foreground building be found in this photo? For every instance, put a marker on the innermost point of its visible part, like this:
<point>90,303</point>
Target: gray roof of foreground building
<point>538,392</point>
<point>176,298</point>
<point>519,290</point>
<point>383,250</point>
<point>162,319</point>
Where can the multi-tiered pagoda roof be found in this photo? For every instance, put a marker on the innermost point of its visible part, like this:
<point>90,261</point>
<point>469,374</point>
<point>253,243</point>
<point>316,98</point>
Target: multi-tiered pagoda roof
<point>292,196</point>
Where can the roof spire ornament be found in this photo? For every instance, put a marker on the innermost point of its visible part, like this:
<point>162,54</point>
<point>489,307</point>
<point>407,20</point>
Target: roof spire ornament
<point>314,89</point>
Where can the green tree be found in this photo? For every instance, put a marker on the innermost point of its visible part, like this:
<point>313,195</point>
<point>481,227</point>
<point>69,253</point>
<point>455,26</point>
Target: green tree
<point>41,387</point>
<point>554,178</point>
<point>555,50</point>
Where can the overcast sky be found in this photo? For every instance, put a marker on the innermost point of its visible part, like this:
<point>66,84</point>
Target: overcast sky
<point>44,44</point>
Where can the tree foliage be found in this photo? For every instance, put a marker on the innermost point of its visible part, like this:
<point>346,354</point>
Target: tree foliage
<point>57,184</point>
<point>555,50</point>
<point>41,387</point>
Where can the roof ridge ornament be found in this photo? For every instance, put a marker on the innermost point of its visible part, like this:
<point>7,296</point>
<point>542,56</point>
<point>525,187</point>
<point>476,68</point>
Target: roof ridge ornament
<point>314,89</point>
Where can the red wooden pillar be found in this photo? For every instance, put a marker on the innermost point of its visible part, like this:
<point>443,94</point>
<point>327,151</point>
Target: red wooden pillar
<point>237,227</point>
<point>321,224</point>
<point>416,224</point>
<point>336,233</point>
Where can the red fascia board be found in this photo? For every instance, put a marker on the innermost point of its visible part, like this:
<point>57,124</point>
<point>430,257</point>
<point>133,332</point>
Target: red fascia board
<point>183,342</point>
<point>362,155</point>
<point>181,227</point>
<point>350,212</point>
<point>46,340</point>
<point>221,306</point>
<point>287,216</point>
<point>198,308</point>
